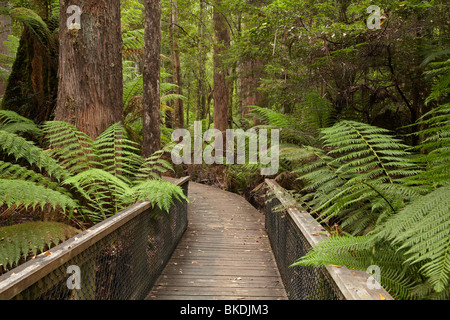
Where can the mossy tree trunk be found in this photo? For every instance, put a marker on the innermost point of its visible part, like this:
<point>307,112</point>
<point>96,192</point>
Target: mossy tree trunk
<point>90,92</point>
<point>32,85</point>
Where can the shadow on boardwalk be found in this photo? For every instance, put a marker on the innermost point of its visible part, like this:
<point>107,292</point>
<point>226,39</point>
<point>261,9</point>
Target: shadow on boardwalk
<point>224,255</point>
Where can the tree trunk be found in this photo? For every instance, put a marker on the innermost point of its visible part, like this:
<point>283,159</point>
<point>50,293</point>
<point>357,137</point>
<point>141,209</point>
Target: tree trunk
<point>90,92</point>
<point>176,66</point>
<point>152,65</point>
<point>221,85</point>
<point>201,80</point>
<point>5,31</point>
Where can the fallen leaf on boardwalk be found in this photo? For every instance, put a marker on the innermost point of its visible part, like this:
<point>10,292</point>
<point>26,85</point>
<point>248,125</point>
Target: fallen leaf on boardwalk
<point>382,297</point>
<point>334,266</point>
<point>48,253</point>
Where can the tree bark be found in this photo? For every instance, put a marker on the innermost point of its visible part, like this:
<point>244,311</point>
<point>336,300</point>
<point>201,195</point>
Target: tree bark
<point>90,94</point>
<point>221,85</point>
<point>176,66</point>
<point>152,65</point>
<point>5,31</point>
<point>201,79</point>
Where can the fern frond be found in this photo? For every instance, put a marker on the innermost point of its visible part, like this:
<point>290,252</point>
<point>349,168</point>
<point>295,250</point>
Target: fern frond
<point>423,228</point>
<point>74,149</point>
<point>359,253</point>
<point>17,241</point>
<point>103,192</point>
<point>37,26</point>
<point>12,122</point>
<point>21,149</point>
<point>11,171</point>
<point>118,155</point>
<point>291,129</point>
<point>154,166</point>
<point>158,192</point>
<point>29,194</point>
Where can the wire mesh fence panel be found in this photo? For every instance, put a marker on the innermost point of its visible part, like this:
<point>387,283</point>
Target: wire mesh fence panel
<point>292,233</point>
<point>123,265</point>
<point>288,245</point>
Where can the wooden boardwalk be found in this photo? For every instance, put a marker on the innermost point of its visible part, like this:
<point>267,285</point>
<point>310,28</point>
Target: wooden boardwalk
<point>224,255</point>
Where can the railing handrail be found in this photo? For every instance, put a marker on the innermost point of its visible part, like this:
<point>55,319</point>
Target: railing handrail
<point>25,275</point>
<point>352,283</point>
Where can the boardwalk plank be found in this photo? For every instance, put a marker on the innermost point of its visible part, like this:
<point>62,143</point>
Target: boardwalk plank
<point>224,255</point>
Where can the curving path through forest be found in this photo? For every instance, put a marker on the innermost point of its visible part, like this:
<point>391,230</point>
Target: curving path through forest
<point>224,255</point>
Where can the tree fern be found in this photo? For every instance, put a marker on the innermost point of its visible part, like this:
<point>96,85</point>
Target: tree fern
<point>359,253</point>
<point>423,229</point>
<point>29,194</point>
<point>22,150</point>
<point>37,26</point>
<point>87,180</point>
<point>363,166</point>
<point>102,191</point>
<point>410,237</point>
<point>14,123</point>
<point>117,154</point>
<point>291,130</point>
<point>158,192</point>
<point>17,241</point>
<point>73,149</point>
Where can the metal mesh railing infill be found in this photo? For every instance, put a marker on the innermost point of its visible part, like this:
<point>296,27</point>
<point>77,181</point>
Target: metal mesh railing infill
<point>292,234</point>
<point>119,259</point>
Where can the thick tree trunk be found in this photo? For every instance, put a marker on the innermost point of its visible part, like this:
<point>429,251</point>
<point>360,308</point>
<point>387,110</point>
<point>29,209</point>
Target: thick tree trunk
<point>221,85</point>
<point>176,66</point>
<point>90,94</point>
<point>152,66</point>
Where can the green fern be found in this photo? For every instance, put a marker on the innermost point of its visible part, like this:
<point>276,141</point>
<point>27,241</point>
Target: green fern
<point>423,230</point>
<point>406,196</point>
<point>102,191</point>
<point>23,150</point>
<point>18,241</point>
<point>291,130</point>
<point>118,155</point>
<point>357,179</point>
<point>154,166</point>
<point>33,22</point>
<point>359,253</point>
<point>73,149</point>
<point>87,180</point>
<point>29,194</point>
<point>159,193</point>
<point>14,123</point>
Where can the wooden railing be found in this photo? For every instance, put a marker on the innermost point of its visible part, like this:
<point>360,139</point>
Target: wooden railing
<point>292,234</point>
<point>119,258</point>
